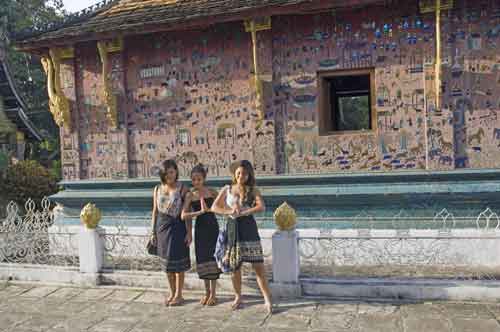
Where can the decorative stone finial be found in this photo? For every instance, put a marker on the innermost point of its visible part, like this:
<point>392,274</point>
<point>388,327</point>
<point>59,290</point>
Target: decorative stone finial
<point>90,216</point>
<point>285,217</point>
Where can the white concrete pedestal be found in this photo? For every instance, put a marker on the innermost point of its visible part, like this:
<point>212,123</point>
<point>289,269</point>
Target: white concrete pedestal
<point>91,250</point>
<point>286,264</point>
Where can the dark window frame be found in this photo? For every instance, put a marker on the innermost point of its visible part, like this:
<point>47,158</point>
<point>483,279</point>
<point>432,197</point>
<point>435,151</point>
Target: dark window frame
<point>326,121</point>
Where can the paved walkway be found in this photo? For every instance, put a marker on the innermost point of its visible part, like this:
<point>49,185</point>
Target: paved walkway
<point>25,307</point>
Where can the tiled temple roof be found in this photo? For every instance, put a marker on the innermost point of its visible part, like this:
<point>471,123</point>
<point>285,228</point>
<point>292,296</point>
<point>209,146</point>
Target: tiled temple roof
<point>142,16</point>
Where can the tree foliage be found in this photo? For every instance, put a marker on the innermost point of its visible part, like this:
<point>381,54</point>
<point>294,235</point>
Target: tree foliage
<point>30,79</point>
<point>27,179</point>
<point>354,113</point>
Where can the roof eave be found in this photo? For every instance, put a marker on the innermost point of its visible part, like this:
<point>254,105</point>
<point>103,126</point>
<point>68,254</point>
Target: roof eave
<point>26,126</point>
<point>27,122</point>
<point>39,45</point>
<point>22,106</point>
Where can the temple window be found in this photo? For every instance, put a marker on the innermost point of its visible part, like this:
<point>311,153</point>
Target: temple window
<point>346,103</point>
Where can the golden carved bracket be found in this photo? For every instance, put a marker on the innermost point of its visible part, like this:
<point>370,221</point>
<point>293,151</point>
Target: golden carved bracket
<point>429,6</point>
<point>67,53</point>
<point>253,26</point>
<point>58,103</point>
<point>435,6</point>
<point>104,48</point>
<point>437,70</point>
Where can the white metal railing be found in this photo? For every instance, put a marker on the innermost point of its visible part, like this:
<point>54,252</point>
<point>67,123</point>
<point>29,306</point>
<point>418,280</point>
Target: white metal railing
<point>439,246</point>
<point>30,237</point>
<point>448,247</point>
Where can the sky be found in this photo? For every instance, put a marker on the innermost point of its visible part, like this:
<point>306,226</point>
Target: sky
<point>76,5</point>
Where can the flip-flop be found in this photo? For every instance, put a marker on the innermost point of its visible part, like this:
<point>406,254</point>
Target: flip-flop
<point>175,303</point>
<point>236,306</point>
<point>204,300</point>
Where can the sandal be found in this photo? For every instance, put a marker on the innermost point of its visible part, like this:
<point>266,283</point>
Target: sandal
<point>236,304</point>
<point>176,302</point>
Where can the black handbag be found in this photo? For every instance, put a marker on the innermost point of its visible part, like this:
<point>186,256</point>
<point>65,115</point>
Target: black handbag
<point>151,247</point>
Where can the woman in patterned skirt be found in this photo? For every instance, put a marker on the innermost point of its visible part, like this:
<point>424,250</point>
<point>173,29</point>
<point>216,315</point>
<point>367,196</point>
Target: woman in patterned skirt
<point>171,235</point>
<point>239,202</point>
<point>206,230</point>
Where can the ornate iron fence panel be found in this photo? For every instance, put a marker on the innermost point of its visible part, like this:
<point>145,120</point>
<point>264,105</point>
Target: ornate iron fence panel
<point>447,247</point>
<point>125,245</point>
<point>32,237</point>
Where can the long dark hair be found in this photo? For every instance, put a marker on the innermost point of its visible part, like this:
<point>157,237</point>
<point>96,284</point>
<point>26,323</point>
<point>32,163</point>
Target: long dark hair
<point>200,169</point>
<point>248,192</point>
<point>170,163</point>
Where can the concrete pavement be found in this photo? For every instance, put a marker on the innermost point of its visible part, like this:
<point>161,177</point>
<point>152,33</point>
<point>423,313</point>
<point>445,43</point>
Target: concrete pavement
<point>35,307</point>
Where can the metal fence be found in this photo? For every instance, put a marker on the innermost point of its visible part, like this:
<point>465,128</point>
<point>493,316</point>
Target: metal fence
<point>124,245</point>
<point>404,245</point>
<point>444,246</point>
<point>30,237</point>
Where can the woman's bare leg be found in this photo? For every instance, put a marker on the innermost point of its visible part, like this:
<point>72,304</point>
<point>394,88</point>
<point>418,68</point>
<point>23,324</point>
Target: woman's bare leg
<point>212,299</point>
<point>171,284</point>
<point>179,285</point>
<point>263,285</point>
<point>236,279</point>
<point>205,298</point>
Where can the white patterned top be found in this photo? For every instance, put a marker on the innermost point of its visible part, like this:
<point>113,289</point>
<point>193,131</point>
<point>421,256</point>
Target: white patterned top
<point>170,204</point>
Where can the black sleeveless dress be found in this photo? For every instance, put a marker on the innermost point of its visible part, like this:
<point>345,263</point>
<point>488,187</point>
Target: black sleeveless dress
<point>206,230</point>
<point>171,232</point>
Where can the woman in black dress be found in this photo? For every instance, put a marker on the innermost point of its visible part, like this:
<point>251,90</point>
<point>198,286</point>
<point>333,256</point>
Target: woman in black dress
<point>239,202</point>
<point>171,235</point>
<point>197,205</point>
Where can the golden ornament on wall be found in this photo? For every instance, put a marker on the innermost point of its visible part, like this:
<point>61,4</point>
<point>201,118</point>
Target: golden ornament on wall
<point>110,99</point>
<point>252,26</point>
<point>90,216</point>
<point>429,6</point>
<point>285,217</point>
<point>59,105</point>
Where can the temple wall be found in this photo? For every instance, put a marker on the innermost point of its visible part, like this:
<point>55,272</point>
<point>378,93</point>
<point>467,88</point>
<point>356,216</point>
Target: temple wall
<point>103,149</point>
<point>70,147</point>
<point>191,99</point>
<point>400,46</point>
<point>188,95</point>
